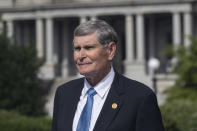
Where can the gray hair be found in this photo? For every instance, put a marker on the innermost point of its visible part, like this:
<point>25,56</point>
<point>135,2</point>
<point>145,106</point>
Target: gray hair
<point>106,33</point>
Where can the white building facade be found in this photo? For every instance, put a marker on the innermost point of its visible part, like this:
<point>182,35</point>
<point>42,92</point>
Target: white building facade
<point>145,29</point>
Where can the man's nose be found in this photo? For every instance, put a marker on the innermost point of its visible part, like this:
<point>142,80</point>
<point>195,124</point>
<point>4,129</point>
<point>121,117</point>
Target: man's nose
<point>82,53</point>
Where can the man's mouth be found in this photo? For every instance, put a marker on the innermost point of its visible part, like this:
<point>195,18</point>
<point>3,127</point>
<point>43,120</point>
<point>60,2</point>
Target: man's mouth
<point>86,63</point>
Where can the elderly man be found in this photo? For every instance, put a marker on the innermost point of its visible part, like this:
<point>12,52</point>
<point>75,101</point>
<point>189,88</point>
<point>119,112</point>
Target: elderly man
<point>103,100</point>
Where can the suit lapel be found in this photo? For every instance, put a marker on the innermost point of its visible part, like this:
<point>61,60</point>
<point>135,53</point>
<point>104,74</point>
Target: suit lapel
<point>72,102</point>
<point>111,106</point>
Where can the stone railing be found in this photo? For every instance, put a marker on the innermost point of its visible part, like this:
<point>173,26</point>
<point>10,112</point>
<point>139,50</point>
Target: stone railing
<point>31,2</point>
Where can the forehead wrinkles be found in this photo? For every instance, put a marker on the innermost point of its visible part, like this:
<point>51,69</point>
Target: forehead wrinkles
<point>90,38</point>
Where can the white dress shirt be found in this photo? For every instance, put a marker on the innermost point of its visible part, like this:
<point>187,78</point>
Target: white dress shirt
<point>102,89</point>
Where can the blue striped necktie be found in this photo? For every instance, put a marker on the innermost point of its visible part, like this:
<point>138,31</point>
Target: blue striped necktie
<point>84,120</point>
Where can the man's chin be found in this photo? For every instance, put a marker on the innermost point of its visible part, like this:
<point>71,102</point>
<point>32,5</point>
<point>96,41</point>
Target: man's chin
<point>86,73</point>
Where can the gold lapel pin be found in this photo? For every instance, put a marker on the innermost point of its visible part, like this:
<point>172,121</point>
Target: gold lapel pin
<point>114,105</point>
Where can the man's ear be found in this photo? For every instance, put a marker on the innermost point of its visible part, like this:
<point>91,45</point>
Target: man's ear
<point>111,50</point>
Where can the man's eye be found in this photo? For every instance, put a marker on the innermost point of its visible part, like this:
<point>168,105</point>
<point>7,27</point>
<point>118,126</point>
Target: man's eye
<point>89,47</point>
<point>77,48</point>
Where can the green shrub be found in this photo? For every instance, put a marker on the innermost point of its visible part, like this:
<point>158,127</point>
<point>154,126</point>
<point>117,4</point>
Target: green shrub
<point>182,94</point>
<point>181,107</point>
<point>169,123</point>
<point>186,63</point>
<point>12,121</point>
<point>20,88</point>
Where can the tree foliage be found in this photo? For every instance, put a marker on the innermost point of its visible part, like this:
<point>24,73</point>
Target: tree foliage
<point>186,67</point>
<point>180,109</point>
<point>186,63</point>
<point>20,88</point>
<point>13,121</point>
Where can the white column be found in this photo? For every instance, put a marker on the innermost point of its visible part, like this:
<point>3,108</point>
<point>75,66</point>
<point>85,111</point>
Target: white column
<point>176,30</point>
<point>137,69</point>
<point>129,32</point>
<point>1,26</point>
<point>47,71</point>
<point>187,28</point>
<point>93,18</point>
<point>140,37</point>
<point>10,29</point>
<point>83,19</point>
<point>65,61</point>
<point>49,41</point>
<point>39,37</point>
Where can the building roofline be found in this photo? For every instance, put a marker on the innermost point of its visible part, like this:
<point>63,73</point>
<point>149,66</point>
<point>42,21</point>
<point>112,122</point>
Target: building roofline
<point>79,5</point>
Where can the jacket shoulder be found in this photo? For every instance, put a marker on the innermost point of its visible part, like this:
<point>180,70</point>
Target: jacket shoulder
<point>134,86</point>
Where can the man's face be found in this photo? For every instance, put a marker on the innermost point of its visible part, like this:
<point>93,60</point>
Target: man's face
<point>90,57</point>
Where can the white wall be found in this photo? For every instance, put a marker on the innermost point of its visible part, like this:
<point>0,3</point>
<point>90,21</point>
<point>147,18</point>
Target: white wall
<point>5,3</point>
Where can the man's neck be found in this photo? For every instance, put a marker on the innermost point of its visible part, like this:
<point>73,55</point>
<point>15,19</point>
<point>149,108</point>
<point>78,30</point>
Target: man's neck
<point>96,78</point>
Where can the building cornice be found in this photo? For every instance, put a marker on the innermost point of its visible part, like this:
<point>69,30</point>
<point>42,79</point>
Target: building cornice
<point>94,10</point>
<point>81,5</point>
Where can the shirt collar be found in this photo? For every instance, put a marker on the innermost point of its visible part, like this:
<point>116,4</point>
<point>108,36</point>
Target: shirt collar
<point>103,86</point>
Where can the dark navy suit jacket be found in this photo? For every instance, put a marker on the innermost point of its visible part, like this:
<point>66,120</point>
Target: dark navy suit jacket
<point>137,108</point>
